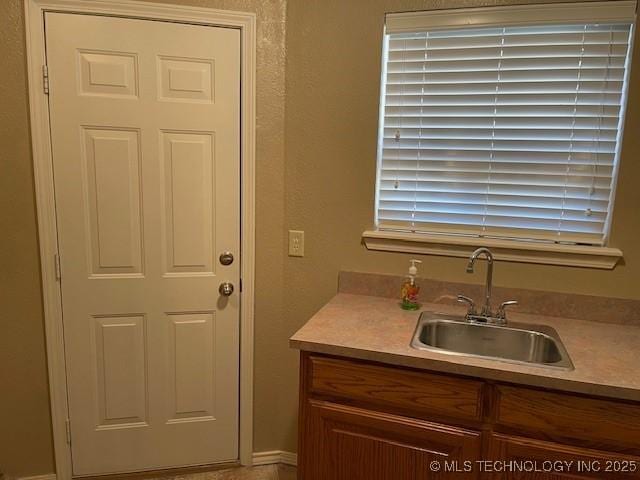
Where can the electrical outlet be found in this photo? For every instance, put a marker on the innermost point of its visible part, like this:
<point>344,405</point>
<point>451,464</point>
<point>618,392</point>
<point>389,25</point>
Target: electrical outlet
<point>296,243</point>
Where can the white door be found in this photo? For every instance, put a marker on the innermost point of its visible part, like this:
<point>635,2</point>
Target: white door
<point>145,127</point>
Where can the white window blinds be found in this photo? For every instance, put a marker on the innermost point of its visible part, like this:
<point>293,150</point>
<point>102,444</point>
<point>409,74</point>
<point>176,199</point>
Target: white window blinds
<point>502,131</point>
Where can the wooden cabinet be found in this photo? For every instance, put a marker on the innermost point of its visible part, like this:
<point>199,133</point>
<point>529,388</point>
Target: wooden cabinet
<point>368,421</point>
<point>412,392</point>
<point>523,458</point>
<point>365,421</point>
<point>351,443</point>
<point>568,418</point>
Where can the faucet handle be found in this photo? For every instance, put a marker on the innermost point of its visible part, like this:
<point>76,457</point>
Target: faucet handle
<point>470,302</point>
<point>502,314</point>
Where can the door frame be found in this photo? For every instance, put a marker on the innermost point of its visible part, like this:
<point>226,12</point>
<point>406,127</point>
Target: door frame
<point>45,199</point>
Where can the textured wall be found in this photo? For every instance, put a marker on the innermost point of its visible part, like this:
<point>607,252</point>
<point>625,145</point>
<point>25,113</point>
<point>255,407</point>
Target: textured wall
<point>333,72</point>
<point>25,436</point>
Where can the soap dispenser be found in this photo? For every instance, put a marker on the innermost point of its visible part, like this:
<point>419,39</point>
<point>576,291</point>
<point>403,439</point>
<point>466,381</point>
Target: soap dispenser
<point>410,289</point>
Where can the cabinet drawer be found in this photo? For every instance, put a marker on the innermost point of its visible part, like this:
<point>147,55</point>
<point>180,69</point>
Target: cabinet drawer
<point>564,416</point>
<point>426,395</point>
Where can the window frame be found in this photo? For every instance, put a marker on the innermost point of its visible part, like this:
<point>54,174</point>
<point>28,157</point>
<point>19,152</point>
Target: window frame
<point>519,250</point>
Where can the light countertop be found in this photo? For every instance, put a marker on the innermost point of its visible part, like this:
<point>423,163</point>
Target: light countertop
<point>606,356</point>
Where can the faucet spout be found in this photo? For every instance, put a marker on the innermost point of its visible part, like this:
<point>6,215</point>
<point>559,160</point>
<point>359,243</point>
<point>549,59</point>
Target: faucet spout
<point>486,308</point>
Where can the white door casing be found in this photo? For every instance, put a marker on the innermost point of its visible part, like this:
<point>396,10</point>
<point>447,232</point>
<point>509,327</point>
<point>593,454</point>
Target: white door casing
<point>245,22</point>
<point>145,131</point>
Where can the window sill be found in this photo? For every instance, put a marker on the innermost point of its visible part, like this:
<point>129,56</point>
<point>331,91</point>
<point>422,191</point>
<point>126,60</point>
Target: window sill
<point>509,250</point>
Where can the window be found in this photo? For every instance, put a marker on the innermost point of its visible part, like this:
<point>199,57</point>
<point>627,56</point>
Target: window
<point>503,122</point>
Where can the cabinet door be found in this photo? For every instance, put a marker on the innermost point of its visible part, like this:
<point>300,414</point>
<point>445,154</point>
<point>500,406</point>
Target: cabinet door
<point>348,443</point>
<point>553,461</point>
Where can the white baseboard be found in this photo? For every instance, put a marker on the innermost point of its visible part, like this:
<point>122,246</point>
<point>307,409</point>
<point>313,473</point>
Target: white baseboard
<point>275,456</point>
<point>289,458</point>
<point>48,476</point>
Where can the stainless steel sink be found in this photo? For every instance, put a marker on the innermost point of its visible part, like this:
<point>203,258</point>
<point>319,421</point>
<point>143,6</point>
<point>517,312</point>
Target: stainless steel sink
<point>515,342</point>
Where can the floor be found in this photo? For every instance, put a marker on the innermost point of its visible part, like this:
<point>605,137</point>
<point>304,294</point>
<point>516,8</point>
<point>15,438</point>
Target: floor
<point>265,472</point>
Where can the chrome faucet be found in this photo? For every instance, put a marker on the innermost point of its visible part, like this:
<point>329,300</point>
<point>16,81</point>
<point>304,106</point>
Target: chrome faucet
<point>486,308</point>
<point>486,315</point>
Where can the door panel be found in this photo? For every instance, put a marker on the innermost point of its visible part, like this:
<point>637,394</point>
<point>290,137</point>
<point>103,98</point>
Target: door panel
<point>110,74</point>
<point>112,183</point>
<point>189,206</point>
<point>120,363</point>
<point>191,367</point>
<point>145,130</point>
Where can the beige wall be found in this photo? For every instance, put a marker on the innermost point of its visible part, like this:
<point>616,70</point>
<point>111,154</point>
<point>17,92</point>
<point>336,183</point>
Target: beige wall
<point>333,72</point>
<point>25,433</point>
<point>325,188</point>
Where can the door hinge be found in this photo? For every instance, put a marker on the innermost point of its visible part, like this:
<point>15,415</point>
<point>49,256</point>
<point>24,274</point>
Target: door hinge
<point>45,79</point>
<point>240,285</point>
<point>67,424</point>
<point>56,262</point>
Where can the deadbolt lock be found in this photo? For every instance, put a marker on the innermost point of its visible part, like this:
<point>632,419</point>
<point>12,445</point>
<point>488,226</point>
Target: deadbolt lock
<point>226,258</point>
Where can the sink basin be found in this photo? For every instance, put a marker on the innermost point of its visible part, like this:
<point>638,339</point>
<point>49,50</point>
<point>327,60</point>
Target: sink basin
<point>516,342</point>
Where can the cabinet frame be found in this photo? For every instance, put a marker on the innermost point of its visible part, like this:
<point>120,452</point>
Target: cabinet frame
<point>507,421</point>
